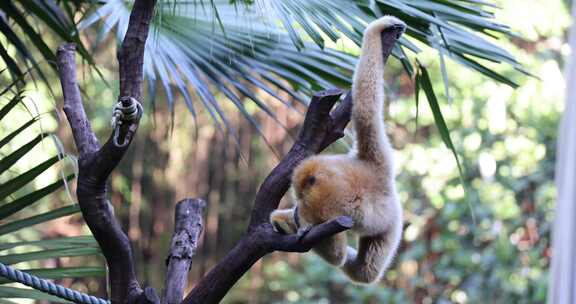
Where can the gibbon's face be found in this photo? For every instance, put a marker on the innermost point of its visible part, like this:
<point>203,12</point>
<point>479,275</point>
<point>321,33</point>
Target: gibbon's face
<point>321,189</point>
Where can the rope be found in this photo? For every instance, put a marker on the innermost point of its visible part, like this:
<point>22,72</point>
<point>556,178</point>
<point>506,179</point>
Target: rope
<point>48,287</point>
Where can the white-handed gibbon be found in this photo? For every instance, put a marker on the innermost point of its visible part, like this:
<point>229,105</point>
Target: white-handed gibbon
<point>359,185</point>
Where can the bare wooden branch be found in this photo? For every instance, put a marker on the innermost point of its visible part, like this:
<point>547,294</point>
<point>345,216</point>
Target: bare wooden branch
<point>91,190</point>
<point>251,248</point>
<point>187,229</point>
<point>131,54</point>
<point>298,243</point>
<point>340,118</point>
<point>85,140</point>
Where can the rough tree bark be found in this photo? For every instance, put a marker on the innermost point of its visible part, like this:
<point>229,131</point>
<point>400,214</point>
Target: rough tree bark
<point>322,126</point>
<point>187,229</point>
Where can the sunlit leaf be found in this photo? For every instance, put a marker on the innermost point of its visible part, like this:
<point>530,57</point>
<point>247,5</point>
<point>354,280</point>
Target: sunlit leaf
<point>65,242</point>
<point>30,198</point>
<point>19,181</point>
<point>40,218</point>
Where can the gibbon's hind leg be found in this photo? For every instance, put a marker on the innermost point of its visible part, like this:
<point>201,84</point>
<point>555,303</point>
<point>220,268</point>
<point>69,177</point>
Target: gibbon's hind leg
<point>333,249</point>
<point>283,221</point>
<point>373,257</point>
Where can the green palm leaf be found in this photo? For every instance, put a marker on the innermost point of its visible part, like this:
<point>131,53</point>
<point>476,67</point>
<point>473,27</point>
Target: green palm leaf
<point>38,219</point>
<point>65,242</point>
<point>288,46</point>
<point>30,198</point>
<point>18,26</point>
<point>10,259</point>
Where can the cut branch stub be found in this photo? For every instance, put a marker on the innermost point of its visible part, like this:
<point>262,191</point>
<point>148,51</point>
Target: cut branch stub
<point>187,230</point>
<point>318,123</point>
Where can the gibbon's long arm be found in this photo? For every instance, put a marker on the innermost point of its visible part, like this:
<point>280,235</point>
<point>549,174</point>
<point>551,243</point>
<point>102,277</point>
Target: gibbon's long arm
<point>372,144</point>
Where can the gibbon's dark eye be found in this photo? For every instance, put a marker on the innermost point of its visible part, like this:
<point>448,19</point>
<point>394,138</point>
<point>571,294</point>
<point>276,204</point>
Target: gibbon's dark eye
<point>310,180</point>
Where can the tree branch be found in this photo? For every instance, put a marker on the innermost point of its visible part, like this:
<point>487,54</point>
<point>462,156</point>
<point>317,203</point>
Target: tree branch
<point>303,243</point>
<point>187,229</point>
<point>91,190</point>
<point>86,141</point>
<point>251,248</point>
<point>131,54</point>
<point>319,130</point>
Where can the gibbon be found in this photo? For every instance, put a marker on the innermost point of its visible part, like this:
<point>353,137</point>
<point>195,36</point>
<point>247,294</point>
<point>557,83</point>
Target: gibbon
<point>359,185</point>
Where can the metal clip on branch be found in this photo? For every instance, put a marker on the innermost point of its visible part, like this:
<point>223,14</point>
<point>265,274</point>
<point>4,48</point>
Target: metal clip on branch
<point>126,110</point>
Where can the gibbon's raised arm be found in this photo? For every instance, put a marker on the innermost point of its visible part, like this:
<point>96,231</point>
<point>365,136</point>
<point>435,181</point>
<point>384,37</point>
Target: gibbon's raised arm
<point>372,144</point>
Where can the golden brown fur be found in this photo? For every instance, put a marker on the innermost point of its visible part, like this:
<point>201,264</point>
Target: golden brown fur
<point>359,185</point>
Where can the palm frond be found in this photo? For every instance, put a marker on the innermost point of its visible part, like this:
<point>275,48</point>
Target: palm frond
<point>18,20</point>
<point>288,47</point>
<point>186,50</point>
<point>17,194</point>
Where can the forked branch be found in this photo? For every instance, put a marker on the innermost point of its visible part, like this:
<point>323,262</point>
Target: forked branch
<point>95,163</point>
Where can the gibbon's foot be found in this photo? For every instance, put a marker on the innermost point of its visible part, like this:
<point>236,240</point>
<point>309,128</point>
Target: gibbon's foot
<point>279,228</point>
<point>283,221</point>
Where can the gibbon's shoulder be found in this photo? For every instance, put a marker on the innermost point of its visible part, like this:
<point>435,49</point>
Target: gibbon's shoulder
<point>382,23</point>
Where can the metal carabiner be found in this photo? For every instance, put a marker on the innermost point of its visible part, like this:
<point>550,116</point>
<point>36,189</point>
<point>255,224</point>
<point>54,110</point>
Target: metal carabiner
<point>127,109</point>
